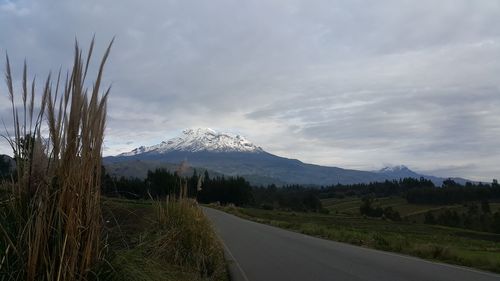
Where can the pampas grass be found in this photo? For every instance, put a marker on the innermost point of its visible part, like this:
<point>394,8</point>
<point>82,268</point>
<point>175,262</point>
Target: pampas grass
<point>50,218</point>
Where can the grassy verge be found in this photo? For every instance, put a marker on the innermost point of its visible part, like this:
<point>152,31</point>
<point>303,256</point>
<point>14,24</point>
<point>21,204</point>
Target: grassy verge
<point>450,245</point>
<point>169,240</point>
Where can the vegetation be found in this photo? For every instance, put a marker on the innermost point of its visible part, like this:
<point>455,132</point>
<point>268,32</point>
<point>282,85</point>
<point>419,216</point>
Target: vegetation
<point>408,211</point>
<point>470,216</point>
<point>457,228</point>
<point>453,194</point>
<point>50,215</point>
<point>294,198</point>
<point>158,184</point>
<point>367,209</point>
<point>224,190</point>
<point>5,168</point>
<point>450,205</point>
<point>375,189</point>
<point>161,183</point>
<point>169,239</point>
<point>52,224</point>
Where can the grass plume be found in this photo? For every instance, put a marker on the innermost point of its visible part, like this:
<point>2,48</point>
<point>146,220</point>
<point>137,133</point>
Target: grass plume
<point>50,216</point>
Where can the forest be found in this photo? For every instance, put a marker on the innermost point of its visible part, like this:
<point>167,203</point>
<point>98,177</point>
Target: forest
<point>220,189</point>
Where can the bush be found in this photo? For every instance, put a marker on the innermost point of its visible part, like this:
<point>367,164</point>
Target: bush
<point>267,207</point>
<point>432,251</point>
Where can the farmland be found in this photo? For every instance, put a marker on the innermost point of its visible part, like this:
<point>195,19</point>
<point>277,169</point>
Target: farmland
<point>408,211</point>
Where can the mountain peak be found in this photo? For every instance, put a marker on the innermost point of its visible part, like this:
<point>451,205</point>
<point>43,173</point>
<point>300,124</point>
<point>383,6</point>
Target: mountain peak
<point>392,169</point>
<point>398,171</point>
<point>200,139</point>
<point>198,131</point>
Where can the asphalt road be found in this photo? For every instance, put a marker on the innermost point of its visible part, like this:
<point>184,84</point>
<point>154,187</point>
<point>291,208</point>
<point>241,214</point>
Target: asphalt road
<point>258,252</point>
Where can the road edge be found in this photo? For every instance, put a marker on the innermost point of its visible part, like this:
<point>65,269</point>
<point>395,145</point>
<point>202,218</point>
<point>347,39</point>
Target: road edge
<point>236,273</point>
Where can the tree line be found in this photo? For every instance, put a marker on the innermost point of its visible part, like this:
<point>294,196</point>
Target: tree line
<point>375,189</point>
<point>476,217</point>
<point>454,193</point>
<point>220,189</point>
<point>417,191</point>
<point>291,197</point>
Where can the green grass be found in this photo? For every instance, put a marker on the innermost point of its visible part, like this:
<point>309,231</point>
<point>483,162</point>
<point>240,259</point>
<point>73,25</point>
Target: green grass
<point>145,246</point>
<point>451,245</point>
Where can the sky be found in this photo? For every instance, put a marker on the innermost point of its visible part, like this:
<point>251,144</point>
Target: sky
<point>355,84</point>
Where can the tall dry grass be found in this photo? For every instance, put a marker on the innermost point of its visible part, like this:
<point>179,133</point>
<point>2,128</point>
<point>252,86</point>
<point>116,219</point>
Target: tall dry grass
<point>50,219</point>
<point>185,237</point>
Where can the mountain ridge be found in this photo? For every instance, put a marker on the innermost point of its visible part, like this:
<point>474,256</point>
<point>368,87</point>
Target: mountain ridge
<point>200,139</point>
<point>233,155</point>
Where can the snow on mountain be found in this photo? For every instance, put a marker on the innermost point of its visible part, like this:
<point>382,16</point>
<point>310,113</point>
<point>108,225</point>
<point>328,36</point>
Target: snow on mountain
<point>243,158</point>
<point>201,139</point>
<point>399,171</point>
<point>394,169</point>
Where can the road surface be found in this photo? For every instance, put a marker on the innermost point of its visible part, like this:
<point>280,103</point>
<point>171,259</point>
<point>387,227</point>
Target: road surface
<point>258,252</point>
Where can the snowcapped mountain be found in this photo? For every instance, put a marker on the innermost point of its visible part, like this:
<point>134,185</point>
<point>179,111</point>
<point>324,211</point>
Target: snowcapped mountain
<point>398,171</point>
<point>198,140</point>
<point>392,169</point>
<point>229,154</point>
<point>401,171</point>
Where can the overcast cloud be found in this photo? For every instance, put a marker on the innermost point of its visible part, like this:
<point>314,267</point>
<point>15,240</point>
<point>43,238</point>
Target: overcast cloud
<point>355,84</point>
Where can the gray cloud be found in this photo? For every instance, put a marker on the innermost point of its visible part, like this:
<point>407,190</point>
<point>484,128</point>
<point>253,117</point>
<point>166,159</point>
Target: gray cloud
<point>358,84</point>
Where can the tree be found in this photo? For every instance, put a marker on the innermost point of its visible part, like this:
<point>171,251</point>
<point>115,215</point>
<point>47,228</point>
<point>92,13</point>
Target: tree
<point>429,218</point>
<point>449,183</point>
<point>4,166</point>
<point>485,206</point>
<point>496,222</point>
<point>226,190</point>
<point>392,214</point>
<point>366,206</point>
<point>495,183</point>
<point>367,209</point>
<point>312,202</point>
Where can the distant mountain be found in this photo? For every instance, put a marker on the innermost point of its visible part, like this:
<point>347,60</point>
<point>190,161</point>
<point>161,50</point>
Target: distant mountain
<point>199,140</point>
<point>401,171</point>
<point>398,171</point>
<point>230,154</point>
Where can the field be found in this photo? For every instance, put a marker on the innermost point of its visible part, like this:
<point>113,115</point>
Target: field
<point>445,244</point>
<point>410,212</point>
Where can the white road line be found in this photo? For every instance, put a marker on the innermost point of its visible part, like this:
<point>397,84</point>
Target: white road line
<point>214,229</point>
<point>234,260</point>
